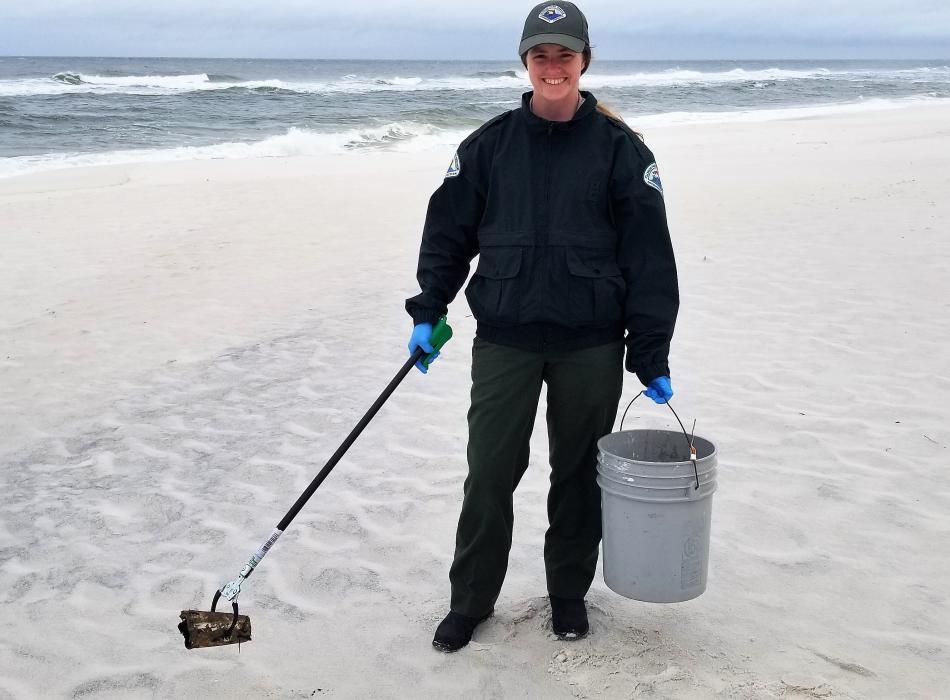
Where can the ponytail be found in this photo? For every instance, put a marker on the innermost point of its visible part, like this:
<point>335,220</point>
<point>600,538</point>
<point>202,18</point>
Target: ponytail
<point>601,107</point>
<point>610,114</point>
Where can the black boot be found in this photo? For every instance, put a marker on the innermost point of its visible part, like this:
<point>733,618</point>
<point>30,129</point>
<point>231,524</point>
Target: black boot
<point>569,618</point>
<point>455,631</point>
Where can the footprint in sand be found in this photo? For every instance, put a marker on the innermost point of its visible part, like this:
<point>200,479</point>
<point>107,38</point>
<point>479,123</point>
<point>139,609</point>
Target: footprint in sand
<point>531,616</point>
<point>117,686</point>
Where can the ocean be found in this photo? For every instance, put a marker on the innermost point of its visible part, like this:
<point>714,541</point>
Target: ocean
<point>64,112</point>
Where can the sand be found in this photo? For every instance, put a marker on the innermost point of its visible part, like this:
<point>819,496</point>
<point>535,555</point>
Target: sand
<point>182,346</point>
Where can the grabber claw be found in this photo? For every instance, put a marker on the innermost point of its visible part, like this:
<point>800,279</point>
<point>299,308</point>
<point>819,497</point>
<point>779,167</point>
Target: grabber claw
<point>214,629</point>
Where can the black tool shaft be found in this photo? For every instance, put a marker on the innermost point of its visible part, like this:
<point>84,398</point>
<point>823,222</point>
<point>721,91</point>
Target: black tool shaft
<point>350,439</point>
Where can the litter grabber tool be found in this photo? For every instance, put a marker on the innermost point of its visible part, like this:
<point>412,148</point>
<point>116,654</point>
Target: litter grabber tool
<point>210,629</point>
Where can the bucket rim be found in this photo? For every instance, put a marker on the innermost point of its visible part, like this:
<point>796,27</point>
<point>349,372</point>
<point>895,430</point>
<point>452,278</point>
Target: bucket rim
<point>687,492</point>
<point>647,482</point>
<point>660,495</point>
<point>686,467</point>
<point>699,460</point>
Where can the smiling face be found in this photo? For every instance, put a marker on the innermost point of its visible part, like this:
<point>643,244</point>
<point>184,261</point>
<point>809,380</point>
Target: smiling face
<point>555,72</point>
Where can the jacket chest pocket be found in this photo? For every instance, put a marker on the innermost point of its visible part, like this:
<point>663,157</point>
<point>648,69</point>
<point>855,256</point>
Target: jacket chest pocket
<point>595,287</point>
<point>494,293</point>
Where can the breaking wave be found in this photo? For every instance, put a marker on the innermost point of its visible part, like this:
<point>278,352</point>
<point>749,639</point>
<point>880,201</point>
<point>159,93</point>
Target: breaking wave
<point>68,78</point>
<point>496,74</point>
<point>397,136</point>
<point>215,78</point>
<point>406,136</point>
<point>70,81</point>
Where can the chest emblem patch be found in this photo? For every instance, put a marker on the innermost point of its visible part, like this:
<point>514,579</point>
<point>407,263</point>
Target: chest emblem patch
<point>552,13</point>
<point>651,176</point>
<point>455,167</point>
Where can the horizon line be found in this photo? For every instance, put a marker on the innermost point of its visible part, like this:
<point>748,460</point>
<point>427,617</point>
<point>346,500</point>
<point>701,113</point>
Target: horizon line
<point>471,60</point>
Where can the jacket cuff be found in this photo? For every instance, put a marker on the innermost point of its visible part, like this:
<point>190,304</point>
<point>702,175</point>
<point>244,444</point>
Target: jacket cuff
<point>648,373</point>
<point>425,316</point>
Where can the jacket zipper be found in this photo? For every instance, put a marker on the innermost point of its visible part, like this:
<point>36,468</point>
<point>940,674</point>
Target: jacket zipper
<point>545,249</point>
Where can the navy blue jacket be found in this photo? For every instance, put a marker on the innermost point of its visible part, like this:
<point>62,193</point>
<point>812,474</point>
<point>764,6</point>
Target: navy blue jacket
<point>569,224</point>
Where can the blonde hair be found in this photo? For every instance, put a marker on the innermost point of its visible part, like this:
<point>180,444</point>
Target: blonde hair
<point>608,112</point>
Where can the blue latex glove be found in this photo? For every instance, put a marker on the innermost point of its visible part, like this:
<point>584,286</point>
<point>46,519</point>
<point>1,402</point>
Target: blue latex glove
<point>660,390</point>
<point>422,337</point>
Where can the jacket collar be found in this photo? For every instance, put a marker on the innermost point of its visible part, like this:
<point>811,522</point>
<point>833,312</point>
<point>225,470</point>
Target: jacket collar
<point>534,121</point>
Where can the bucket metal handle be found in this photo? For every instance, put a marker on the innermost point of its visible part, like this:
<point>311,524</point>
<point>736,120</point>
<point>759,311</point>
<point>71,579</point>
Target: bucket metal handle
<point>689,439</point>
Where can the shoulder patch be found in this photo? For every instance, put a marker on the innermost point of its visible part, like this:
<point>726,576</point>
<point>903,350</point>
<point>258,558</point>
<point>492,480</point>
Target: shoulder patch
<point>455,167</point>
<point>651,176</point>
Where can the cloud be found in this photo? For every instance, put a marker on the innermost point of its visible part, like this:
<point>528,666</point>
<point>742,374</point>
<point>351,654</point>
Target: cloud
<point>436,29</point>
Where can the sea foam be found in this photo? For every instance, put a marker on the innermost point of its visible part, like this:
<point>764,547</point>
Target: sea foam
<point>407,136</point>
<point>68,81</point>
<point>397,136</point>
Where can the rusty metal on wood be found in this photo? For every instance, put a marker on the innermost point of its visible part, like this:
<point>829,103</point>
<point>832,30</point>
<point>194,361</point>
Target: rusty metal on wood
<point>210,629</point>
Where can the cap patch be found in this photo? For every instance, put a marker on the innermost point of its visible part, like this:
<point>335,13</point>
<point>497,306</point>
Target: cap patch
<point>651,176</point>
<point>552,13</point>
<point>455,167</point>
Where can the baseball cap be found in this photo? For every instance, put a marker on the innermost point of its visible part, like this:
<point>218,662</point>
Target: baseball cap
<point>555,23</point>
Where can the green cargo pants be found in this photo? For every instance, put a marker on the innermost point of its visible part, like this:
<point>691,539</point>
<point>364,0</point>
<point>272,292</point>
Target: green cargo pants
<point>583,392</point>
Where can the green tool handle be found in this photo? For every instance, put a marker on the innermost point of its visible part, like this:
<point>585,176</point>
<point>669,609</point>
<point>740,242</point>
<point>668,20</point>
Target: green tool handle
<point>441,334</point>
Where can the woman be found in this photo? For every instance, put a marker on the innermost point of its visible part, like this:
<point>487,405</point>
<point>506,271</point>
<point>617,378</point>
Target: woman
<point>564,207</point>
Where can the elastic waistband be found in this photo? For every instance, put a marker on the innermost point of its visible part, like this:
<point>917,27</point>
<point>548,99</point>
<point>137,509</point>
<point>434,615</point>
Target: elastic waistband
<point>544,337</point>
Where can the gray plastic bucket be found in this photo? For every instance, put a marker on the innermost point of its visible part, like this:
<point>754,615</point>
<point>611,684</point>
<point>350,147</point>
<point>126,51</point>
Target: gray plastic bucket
<point>656,522</point>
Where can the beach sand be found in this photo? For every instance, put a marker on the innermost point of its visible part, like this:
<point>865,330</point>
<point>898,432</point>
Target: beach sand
<point>183,345</point>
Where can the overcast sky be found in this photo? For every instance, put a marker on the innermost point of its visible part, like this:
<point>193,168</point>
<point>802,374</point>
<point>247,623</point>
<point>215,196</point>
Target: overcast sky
<point>632,29</point>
